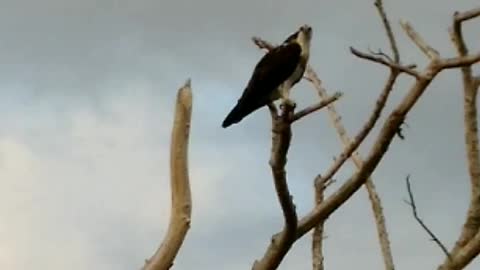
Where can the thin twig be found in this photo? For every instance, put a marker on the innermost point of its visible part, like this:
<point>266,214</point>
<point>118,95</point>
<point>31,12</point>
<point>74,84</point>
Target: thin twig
<point>388,29</point>
<point>181,196</point>
<point>412,204</point>
<point>382,54</point>
<point>406,69</point>
<point>320,105</point>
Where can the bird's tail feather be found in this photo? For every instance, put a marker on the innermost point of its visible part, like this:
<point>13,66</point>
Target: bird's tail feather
<point>238,113</point>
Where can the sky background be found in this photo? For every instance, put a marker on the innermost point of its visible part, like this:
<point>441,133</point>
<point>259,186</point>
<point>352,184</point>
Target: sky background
<point>87,90</point>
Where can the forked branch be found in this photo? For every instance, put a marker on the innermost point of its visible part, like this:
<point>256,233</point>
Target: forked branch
<point>380,146</point>
<point>281,137</point>
<point>363,133</point>
<point>406,69</point>
<point>180,186</point>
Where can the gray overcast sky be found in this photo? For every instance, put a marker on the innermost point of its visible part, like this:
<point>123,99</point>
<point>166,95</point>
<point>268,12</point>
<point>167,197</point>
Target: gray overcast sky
<point>86,101</point>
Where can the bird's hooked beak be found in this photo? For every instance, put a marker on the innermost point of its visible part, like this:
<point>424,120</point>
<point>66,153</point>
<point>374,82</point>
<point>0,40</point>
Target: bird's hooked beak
<point>307,29</point>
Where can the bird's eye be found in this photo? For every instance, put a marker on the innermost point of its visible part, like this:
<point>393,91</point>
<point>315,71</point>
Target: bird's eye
<point>306,28</point>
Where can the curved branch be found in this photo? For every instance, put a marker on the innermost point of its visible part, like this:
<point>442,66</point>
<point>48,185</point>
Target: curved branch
<point>181,197</point>
<point>466,245</point>
<point>281,137</point>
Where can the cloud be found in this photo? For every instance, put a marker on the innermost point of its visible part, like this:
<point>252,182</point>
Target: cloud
<point>103,196</point>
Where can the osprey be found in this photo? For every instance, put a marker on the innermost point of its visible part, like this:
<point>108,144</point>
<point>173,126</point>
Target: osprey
<point>274,75</point>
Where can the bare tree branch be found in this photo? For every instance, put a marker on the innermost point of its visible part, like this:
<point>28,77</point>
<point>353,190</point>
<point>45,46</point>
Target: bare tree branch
<point>388,30</point>
<point>459,61</point>
<point>412,204</point>
<point>322,104</point>
<point>406,69</point>
<point>281,137</point>
<point>317,236</point>
<point>390,128</point>
<point>460,17</point>
<point>471,227</point>
<point>380,222</point>
<point>353,145</point>
<point>380,147</point>
<point>419,41</point>
<point>381,54</point>
<point>373,196</point>
<point>181,197</point>
<point>464,256</point>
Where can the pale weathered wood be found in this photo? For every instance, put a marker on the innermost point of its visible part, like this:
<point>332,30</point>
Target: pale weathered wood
<point>317,235</point>
<point>281,137</point>
<point>381,144</point>
<point>180,186</point>
<point>468,244</point>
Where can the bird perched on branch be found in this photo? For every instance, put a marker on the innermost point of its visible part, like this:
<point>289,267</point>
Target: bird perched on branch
<point>274,75</point>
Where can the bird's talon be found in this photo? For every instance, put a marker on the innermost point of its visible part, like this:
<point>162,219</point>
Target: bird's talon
<point>289,103</point>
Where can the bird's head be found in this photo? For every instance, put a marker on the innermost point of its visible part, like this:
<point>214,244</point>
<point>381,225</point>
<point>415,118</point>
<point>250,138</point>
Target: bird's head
<point>302,36</point>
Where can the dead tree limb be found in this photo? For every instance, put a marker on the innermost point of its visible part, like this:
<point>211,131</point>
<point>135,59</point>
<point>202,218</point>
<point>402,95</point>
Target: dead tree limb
<point>320,105</point>
<point>395,68</point>
<point>388,30</point>
<point>179,181</point>
<point>419,41</point>
<point>317,236</point>
<point>406,69</point>
<point>387,133</point>
<point>353,145</point>
<point>281,137</point>
<point>468,243</point>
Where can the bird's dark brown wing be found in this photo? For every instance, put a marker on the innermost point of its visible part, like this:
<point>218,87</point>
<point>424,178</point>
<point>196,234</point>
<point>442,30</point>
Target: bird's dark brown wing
<point>273,69</point>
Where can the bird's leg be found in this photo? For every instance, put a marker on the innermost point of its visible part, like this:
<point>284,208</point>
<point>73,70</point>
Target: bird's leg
<point>285,95</point>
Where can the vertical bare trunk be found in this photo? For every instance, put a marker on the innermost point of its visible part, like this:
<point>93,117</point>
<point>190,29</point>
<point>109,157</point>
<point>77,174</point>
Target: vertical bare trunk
<point>181,197</point>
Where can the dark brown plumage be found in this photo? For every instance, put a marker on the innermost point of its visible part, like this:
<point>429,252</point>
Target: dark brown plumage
<point>281,67</point>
